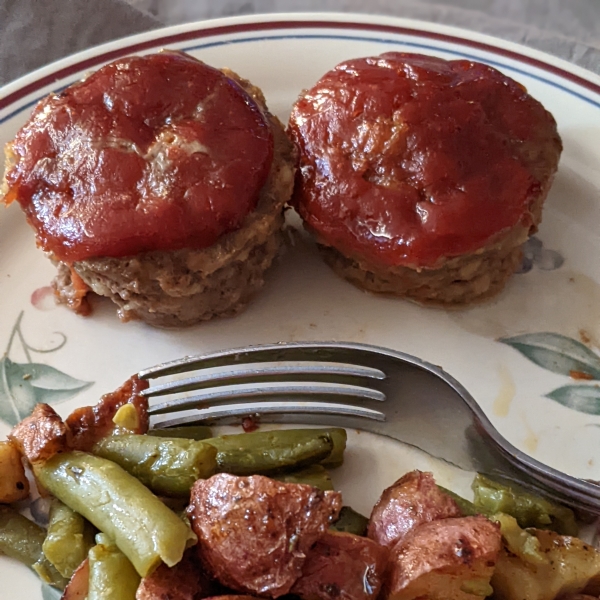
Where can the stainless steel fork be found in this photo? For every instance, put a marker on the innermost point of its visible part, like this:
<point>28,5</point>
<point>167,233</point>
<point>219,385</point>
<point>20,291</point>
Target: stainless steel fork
<point>357,386</point>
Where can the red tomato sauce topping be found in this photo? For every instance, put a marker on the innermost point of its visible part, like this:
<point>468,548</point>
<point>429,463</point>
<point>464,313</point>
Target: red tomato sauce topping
<point>160,152</point>
<point>408,159</point>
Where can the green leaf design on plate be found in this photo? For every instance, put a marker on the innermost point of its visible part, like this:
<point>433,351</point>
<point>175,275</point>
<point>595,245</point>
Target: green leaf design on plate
<point>51,385</point>
<point>22,386</point>
<point>50,593</point>
<point>17,396</point>
<point>583,398</point>
<point>557,353</point>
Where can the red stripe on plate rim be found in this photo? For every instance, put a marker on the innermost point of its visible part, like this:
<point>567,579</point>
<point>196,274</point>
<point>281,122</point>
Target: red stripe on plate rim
<point>273,25</point>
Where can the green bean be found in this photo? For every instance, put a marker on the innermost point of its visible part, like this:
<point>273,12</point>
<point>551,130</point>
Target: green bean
<point>339,438</point>
<point>22,540</point>
<point>111,573</point>
<point>350,521</point>
<point>68,539</point>
<point>315,475</point>
<point>467,508</point>
<point>528,509</point>
<point>190,432</point>
<point>143,528</point>
<point>270,452</point>
<point>168,466</point>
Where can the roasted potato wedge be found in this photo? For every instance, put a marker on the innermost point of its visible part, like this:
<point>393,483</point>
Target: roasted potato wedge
<point>254,533</point>
<point>447,559</point>
<point>185,581</point>
<point>569,566</point>
<point>342,566</point>
<point>414,499</point>
<point>13,483</point>
<point>41,435</point>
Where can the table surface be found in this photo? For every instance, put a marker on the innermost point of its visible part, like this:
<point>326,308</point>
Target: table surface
<point>36,32</point>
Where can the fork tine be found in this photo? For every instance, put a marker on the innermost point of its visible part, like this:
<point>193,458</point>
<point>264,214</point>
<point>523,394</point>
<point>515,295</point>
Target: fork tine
<point>294,351</point>
<point>282,391</point>
<point>280,371</point>
<point>233,412</point>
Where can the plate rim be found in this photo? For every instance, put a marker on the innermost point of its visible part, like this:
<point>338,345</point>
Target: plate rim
<point>89,58</point>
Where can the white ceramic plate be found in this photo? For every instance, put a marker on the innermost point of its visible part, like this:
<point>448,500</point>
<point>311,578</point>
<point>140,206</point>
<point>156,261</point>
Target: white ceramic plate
<point>531,358</point>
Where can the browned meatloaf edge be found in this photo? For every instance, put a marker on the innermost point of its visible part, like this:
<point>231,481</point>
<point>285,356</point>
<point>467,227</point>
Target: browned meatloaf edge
<point>183,287</point>
<point>457,281</point>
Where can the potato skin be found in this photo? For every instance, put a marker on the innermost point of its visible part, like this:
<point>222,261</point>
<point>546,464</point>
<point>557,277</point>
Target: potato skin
<point>13,483</point>
<point>254,532</point>
<point>414,499</point>
<point>78,586</point>
<point>570,566</point>
<point>41,435</point>
<point>437,559</point>
<point>184,581</point>
<point>231,597</point>
<point>342,566</point>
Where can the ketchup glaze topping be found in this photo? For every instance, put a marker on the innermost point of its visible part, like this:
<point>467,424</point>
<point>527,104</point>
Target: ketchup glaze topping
<point>159,152</point>
<point>409,159</point>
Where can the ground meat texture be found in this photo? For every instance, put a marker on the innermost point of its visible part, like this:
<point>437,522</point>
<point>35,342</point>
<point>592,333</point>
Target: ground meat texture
<point>174,277</point>
<point>411,501</point>
<point>254,533</point>
<point>410,163</point>
<point>342,566</point>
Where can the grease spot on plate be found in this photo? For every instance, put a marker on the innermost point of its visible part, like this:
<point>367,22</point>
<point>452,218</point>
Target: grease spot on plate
<point>531,440</point>
<point>506,393</point>
<point>43,298</point>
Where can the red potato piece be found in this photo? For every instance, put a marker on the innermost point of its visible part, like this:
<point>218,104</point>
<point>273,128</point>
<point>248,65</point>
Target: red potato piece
<point>231,597</point>
<point>78,586</point>
<point>447,559</point>
<point>254,532</point>
<point>90,424</point>
<point>342,566</point>
<point>569,567</point>
<point>185,581</point>
<point>413,500</point>
<point>41,435</point>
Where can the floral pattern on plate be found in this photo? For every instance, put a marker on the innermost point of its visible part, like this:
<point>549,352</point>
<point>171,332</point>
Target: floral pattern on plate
<point>23,385</point>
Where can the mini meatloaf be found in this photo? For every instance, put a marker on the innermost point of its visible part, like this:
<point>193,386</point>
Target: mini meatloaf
<point>422,177</point>
<point>254,533</point>
<point>159,182</point>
